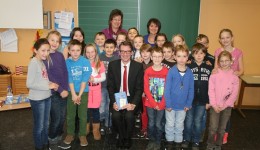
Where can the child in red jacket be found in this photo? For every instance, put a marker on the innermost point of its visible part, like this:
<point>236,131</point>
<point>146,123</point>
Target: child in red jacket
<point>154,81</point>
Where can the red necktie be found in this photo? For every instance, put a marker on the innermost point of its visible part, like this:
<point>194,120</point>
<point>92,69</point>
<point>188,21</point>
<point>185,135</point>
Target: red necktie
<point>125,80</point>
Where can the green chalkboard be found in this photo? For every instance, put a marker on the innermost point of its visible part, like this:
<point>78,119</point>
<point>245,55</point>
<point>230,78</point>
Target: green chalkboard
<point>94,15</point>
<point>176,16</point>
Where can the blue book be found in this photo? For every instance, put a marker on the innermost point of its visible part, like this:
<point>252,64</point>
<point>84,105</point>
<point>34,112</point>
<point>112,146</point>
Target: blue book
<point>121,99</point>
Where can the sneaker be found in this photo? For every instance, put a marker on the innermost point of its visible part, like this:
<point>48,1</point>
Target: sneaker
<point>55,140</point>
<point>59,137</point>
<point>142,133</point>
<point>83,141</point>
<point>225,138</point>
<point>68,139</point>
<point>150,145</point>
<point>185,144</point>
<point>102,127</point>
<point>195,146</point>
<point>102,130</point>
<point>63,145</point>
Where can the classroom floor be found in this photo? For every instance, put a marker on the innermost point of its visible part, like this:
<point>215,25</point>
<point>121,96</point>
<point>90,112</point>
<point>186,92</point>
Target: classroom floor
<point>16,133</point>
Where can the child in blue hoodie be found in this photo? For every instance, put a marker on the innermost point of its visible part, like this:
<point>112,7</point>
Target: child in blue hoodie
<point>179,93</point>
<point>79,71</point>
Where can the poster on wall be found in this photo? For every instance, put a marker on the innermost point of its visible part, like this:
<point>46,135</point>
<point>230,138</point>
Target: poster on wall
<point>64,23</point>
<point>8,41</point>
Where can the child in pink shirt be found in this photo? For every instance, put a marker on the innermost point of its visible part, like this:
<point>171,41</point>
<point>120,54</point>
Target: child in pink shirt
<point>223,91</point>
<point>226,39</point>
<point>94,97</point>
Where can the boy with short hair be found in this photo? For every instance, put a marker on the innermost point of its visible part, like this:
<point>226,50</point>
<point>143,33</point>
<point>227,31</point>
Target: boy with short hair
<point>106,57</point>
<point>79,71</point>
<point>168,52</point>
<point>179,92</point>
<point>154,81</point>
<point>100,39</point>
<point>147,62</point>
<point>193,121</point>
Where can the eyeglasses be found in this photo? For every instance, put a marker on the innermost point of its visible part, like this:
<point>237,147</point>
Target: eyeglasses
<point>125,52</point>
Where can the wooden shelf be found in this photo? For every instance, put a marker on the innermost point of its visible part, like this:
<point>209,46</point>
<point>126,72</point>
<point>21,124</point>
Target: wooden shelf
<point>5,81</point>
<point>19,84</point>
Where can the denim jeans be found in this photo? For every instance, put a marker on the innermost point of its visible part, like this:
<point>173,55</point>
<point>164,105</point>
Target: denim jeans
<point>174,125</point>
<point>93,114</point>
<point>104,108</point>
<point>41,114</point>
<point>193,123</point>
<point>204,121</point>
<point>155,126</point>
<point>58,115</point>
<point>217,125</point>
<point>71,113</point>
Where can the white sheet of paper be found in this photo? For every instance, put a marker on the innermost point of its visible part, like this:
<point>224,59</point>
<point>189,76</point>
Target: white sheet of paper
<point>64,32</point>
<point>9,41</point>
<point>8,36</point>
<point>65,20</point>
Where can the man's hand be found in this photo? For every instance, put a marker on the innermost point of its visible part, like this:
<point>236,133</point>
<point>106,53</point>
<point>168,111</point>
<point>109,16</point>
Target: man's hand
<point>129,107</point>
<point>115,107</point>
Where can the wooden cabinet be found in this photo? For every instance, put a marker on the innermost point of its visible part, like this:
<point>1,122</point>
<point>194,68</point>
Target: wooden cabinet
<point>5,81</point>
<point>19,84</point>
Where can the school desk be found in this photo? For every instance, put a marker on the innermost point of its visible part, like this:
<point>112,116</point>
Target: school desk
<point>247,81</point>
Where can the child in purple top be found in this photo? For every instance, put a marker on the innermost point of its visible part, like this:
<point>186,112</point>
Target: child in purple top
<point>57,72</point>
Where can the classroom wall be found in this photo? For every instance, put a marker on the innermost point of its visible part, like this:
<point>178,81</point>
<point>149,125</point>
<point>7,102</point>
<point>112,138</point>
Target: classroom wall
<point>241,16</point>
<point>26,37</point>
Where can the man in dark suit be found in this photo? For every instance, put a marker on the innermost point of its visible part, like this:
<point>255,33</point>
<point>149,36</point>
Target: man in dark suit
<point>130,82</point>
